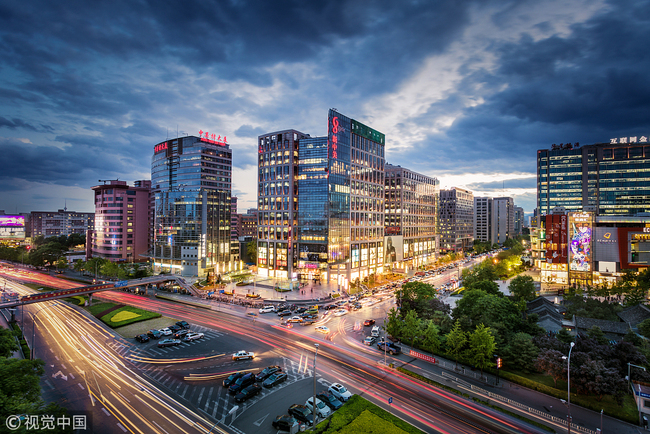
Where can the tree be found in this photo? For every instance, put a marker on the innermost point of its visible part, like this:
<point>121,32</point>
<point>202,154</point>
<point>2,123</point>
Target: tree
<point>551,363</point>
<point>520,353</point>
<point>564,336</point>
<point>431,337</point>
<point>456,341</point>
<point>8,343</point>
<point>592,377</point>
<point>483,271</point>
<point>418,296</point>
<point>62,263</point>
<point>394,323</point>
<point>78,266</point>
<point>485,285</point>
<point>411,325</point>
<point>482,347</point>
<point>522,288</point>
<point>644,327</point>
<point>597,334</point>
<point>251,251</point>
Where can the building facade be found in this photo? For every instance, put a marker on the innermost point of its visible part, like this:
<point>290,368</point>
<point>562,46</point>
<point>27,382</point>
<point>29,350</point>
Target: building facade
<point>456,220</point>
<point>519,221</point>
<point>612,177</point>
<point>61,222</point>
<point>191,180</point>
<point>249,223</point>
<point>122,227</point>
<point>503,219</point>
<point>483,219</point>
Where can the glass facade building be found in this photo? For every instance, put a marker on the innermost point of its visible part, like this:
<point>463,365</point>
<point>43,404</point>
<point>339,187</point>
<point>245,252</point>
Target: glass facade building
<point>614,178</point>
<point>456,220</point>
<point>191,180</point>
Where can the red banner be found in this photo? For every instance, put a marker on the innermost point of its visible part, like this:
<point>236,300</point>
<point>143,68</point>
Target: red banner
<point>422,356</point>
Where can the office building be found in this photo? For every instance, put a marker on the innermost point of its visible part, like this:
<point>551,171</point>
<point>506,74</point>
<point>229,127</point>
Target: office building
<point>519,221</point>
<point>483,219</point>
<point>503,219</point>
<point>456,220</point>
<point>613,178</point>
<point>61,222</point>
<point>249,223</point>
<point>122,227</point>
<point>191,180</point>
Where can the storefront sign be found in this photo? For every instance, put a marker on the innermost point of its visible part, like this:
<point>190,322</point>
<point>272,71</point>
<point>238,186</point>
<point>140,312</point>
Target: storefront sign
<point>212,138</point>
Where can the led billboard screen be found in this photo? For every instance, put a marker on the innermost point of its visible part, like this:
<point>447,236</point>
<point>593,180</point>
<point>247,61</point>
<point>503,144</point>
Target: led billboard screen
<point>12,220</point>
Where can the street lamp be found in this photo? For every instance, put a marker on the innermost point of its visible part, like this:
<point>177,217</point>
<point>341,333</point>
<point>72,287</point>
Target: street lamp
<point>568,379</point>
<point>313,403</point>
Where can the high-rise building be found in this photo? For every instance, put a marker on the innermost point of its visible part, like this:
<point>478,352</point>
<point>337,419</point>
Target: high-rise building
<point>249,223</point>
<point>483,219</point>
<point>612,178</point>
<point>122,227</point>
<point>503,219</point>
<point>456,220</point>
<point>519,221</point>
<point>61,222</point>
<point>191,179</point>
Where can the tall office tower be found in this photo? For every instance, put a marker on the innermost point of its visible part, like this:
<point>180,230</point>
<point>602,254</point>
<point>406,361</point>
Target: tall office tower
<point>235,229</point>
<point>191,178</point>
<point>456,220</point>
<point>519,220</point>
<point>249,223</point>
<point>609,177</point>
<point>277,205</point>
<point>61,222</point>
<point>503,219</point>
<point>411,216</point>
<point>151,211</point>
<point>122,227</point>
<point>483,219</point>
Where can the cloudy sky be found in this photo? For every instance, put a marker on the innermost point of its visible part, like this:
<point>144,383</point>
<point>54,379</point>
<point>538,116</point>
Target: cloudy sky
<point>465,91</point>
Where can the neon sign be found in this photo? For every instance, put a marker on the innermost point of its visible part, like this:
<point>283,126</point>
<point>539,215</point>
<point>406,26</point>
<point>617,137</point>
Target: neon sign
<point>212,138</point>
<point>160,147</point>
<point>335,137</point>
<point>623,140</point>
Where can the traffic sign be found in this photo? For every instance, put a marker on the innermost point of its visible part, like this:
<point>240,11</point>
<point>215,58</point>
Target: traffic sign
<point>121,283</point>
<point>390,400</point>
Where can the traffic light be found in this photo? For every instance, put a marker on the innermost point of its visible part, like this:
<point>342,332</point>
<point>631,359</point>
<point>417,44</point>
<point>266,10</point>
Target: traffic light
<point>499,363</point>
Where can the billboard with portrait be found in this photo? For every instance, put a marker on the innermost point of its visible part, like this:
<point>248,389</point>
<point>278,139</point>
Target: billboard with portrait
<point>580,237</point>
<point>393,248</point>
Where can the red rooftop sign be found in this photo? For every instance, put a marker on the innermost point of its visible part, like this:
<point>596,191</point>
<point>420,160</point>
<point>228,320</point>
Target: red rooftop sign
<point>212,138</point>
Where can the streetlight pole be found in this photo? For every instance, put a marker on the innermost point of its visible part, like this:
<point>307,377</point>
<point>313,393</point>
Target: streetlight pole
<point>629,382</point>
<point>313,403</point>
<point>568,378</point>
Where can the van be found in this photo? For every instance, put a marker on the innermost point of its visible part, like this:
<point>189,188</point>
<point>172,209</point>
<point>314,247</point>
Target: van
<point>375,332</point>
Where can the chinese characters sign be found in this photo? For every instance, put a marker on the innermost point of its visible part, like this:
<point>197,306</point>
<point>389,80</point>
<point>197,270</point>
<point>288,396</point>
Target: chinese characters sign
<point>160,147</point>
<point>335,127</point>
<point>212,138</point>
<point>623,140</point>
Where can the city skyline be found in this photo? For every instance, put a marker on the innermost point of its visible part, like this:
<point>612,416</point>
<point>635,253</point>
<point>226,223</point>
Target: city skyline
<point>465,93</point>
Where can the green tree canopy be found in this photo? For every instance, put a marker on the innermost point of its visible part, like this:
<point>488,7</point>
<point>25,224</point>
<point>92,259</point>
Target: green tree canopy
<point>481,347</point>
<point>522,288</point>
<point>520,352</point>
<point>456,341</point>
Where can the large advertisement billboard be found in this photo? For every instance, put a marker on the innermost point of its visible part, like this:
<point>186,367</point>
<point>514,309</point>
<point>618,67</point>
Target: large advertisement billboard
<point>556,239</point>
<point>606,245</point>
<point>580,236</point>
<point>394,248</point>
<point>12,220</point>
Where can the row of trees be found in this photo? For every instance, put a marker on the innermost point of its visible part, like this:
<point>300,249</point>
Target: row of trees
<point>44,251</point>
<point>104,267</point>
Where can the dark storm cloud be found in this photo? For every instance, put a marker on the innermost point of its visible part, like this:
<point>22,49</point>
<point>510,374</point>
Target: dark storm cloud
<point>14,124</point>
<point>249,131</point>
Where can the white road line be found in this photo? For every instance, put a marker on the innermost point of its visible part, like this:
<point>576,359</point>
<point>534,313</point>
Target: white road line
<point>198,401</point>
<point>121,427</point>
<point>207,402</point>
<point>184,391</point>
<point>81,385</point>
<point>161,428</point>
<point>106,411</point>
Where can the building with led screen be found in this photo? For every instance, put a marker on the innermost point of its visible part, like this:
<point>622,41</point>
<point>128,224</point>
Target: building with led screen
<point>613,178</point>
<point>12,228</point>
<point>191,182</point>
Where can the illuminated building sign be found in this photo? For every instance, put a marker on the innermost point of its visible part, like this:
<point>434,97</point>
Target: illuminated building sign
<point>335,128</point>
<point>580,234</point>
<point>556,239</point>
<point>12,220</point>
<point>160,147</point>
<point>212,138</point>
<point>641,237</point>
<point>624,140</point>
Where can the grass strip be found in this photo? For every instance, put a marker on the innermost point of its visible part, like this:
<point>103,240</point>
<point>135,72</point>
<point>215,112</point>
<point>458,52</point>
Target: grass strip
<point>127,315</point>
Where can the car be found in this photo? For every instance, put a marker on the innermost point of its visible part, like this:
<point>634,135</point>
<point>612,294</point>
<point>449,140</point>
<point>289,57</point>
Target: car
<point>283,423</point>
<point>368,322</point>
<point>389,348</point>
<point>168,343</point>
<point>240,383</point>
<point>300,310</point>
<point>331,307</point>
<point>312,311</point>
<point>192,336</point>
<point>369,340</point>
<point>307,321</point>
<point>301,413</point>
<point>284,312</point>
<point>275,379</point>
<point>295,319</point>
<point>339,390</point>
<point>154,334</point>
<point>267,372</point>
<point>165,332</point>
<point>174,328</point>
<point>243,355</point>
<point>340,312</point>
<point>329,399</point>
<point>322,410</point>
<point>183,324</point>
<point>181,334</point>
<point>232,378</point>
<point>267,309</point>
<point>248,392</point>
<point>322,329</point>
<point>142,338</point>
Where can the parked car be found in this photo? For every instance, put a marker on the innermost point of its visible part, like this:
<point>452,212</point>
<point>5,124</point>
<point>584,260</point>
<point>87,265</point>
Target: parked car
<point>267,372</point>
<point>267,309</point>
<point>369,340</point>
<point>301,413</point>
<point>283,423</point>
<point>340,312</point>
<point>183,324</point>
<point>154,334</point>
<point>390,348</point>
<point>275,379</point>
<point>168,343</point>
<point>322,410</point>
<point>174,328</point>
<point>248,392</point>
<point>331,306</point>
<point>295,319</point>
<point>142,338</point>
<point>368,322</point>
<point>166,331</point>
<point>181,334</point>
<point>340,392</point>
<point>284,312</point>
<point>322,329</point>
<point>192,336</point>
<point>243,355</point>
<point>329,399</point>
<point>242,382</point>
<point>232,378</point>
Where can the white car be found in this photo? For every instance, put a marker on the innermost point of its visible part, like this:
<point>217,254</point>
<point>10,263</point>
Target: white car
<point>267,309</point>
<point>340,312</point>
<point>166,331</point>
<point>191,336</point>
<point>322,329</point>
<point>340,391</point>
<point>321,409</point>
<point>243,355</point>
